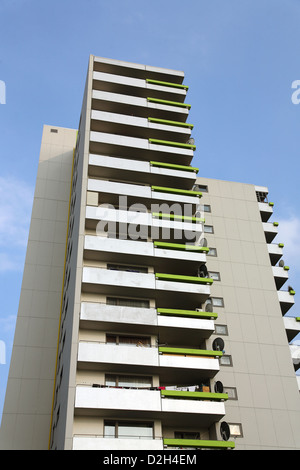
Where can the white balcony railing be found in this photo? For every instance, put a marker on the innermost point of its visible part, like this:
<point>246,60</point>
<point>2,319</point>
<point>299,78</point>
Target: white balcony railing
<point>98,442</point>
<point>140,250</point>
<point>121,82</point>
<point>113,101</point>
<point>140,192</point>
<point>144,219</point>
<point>146,282</point>
<point>146,317</point>
<point>142,171</point>
<point>123,399</point>
<point>115,355</point>
<point>139,126</point>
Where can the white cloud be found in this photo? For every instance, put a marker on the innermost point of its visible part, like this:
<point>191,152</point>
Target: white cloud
<point>288,233</point>
<point>11,261</point>
<point>7,324</point>
<point>16,198</point>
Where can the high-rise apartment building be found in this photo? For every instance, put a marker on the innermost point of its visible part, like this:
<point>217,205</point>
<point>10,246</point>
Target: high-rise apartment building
<point>152,309</point>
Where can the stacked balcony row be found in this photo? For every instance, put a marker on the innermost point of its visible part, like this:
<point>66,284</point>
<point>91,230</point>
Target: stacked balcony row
<point>144,277</point>
<point>280,272</point>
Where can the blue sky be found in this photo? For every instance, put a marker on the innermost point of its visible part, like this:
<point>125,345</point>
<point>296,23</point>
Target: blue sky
<point>240,58</point>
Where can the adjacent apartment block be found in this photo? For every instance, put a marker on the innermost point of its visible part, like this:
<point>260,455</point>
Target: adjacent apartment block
<point>152,312</point>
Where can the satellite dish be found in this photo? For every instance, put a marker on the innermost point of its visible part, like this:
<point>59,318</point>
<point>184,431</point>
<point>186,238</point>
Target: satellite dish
<point>202,271</point>
<point>218,344</point>
<point>219,387</point>
<point>281,263</point>
<point>203,242</point>
<point>209,307</point>
<point>191,141</point>
<point>225,431</point>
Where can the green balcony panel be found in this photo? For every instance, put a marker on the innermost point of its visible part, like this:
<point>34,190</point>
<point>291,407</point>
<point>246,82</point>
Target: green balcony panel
<point>171,123</point>
<point>286,268</point>
<point>172,144</point>
<point>181,278</point>
<point>188,192</point>
<point>275,224</point>
<point>171,103</point>
<point>183,218</point>
<point>181,246</point>
<point>189,352</point>
<point>297,318</point>
<point>175,167</point>
<point>271,204</point>
<point>169,84</point>
<point>292,292</point>
<point>199,443</point>
<point>194,395</point>
<point>281,245</point>
<point>186,313</point>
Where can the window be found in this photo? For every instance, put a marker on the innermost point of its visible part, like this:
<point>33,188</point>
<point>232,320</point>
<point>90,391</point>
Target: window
<point>214,275</point>
<point>138,303</point>
<point>212,252</point>
<point>143,341</point>
<point>261,196</point>
<point>208,229</point>
<point>55,131</point>
<point>217,301</point>
<point>128,430</point>
<point>200,187</point>
<point>221,330</point>
<point>206,208</point>
<point>235,429</point>
<point>123,267</point>
<point>135,381</point>
<point>231,392</point>
<point>226,360</point>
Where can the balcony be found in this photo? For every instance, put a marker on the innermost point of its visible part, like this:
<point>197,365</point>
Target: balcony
<point>266,210</point>
<point>286,300</point>
<point>280,275</point>
<point>270,230</point>
<point>149,173</point>
<point>170,408</point>
<point>98,442</point>
<point>146,360</point>
<point>124,225</point>
<point>295,353</point>
<point>142,107</point>
<point>138,149</point>
<point>136,284</point>
<point>292,327</point>
<point>145,195</point>
<point>171,328</point>
<point>275,252</point>
<point>139,87</point>
<point>144,253</point>
<point>142,127</point>
<point>119,67</point>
